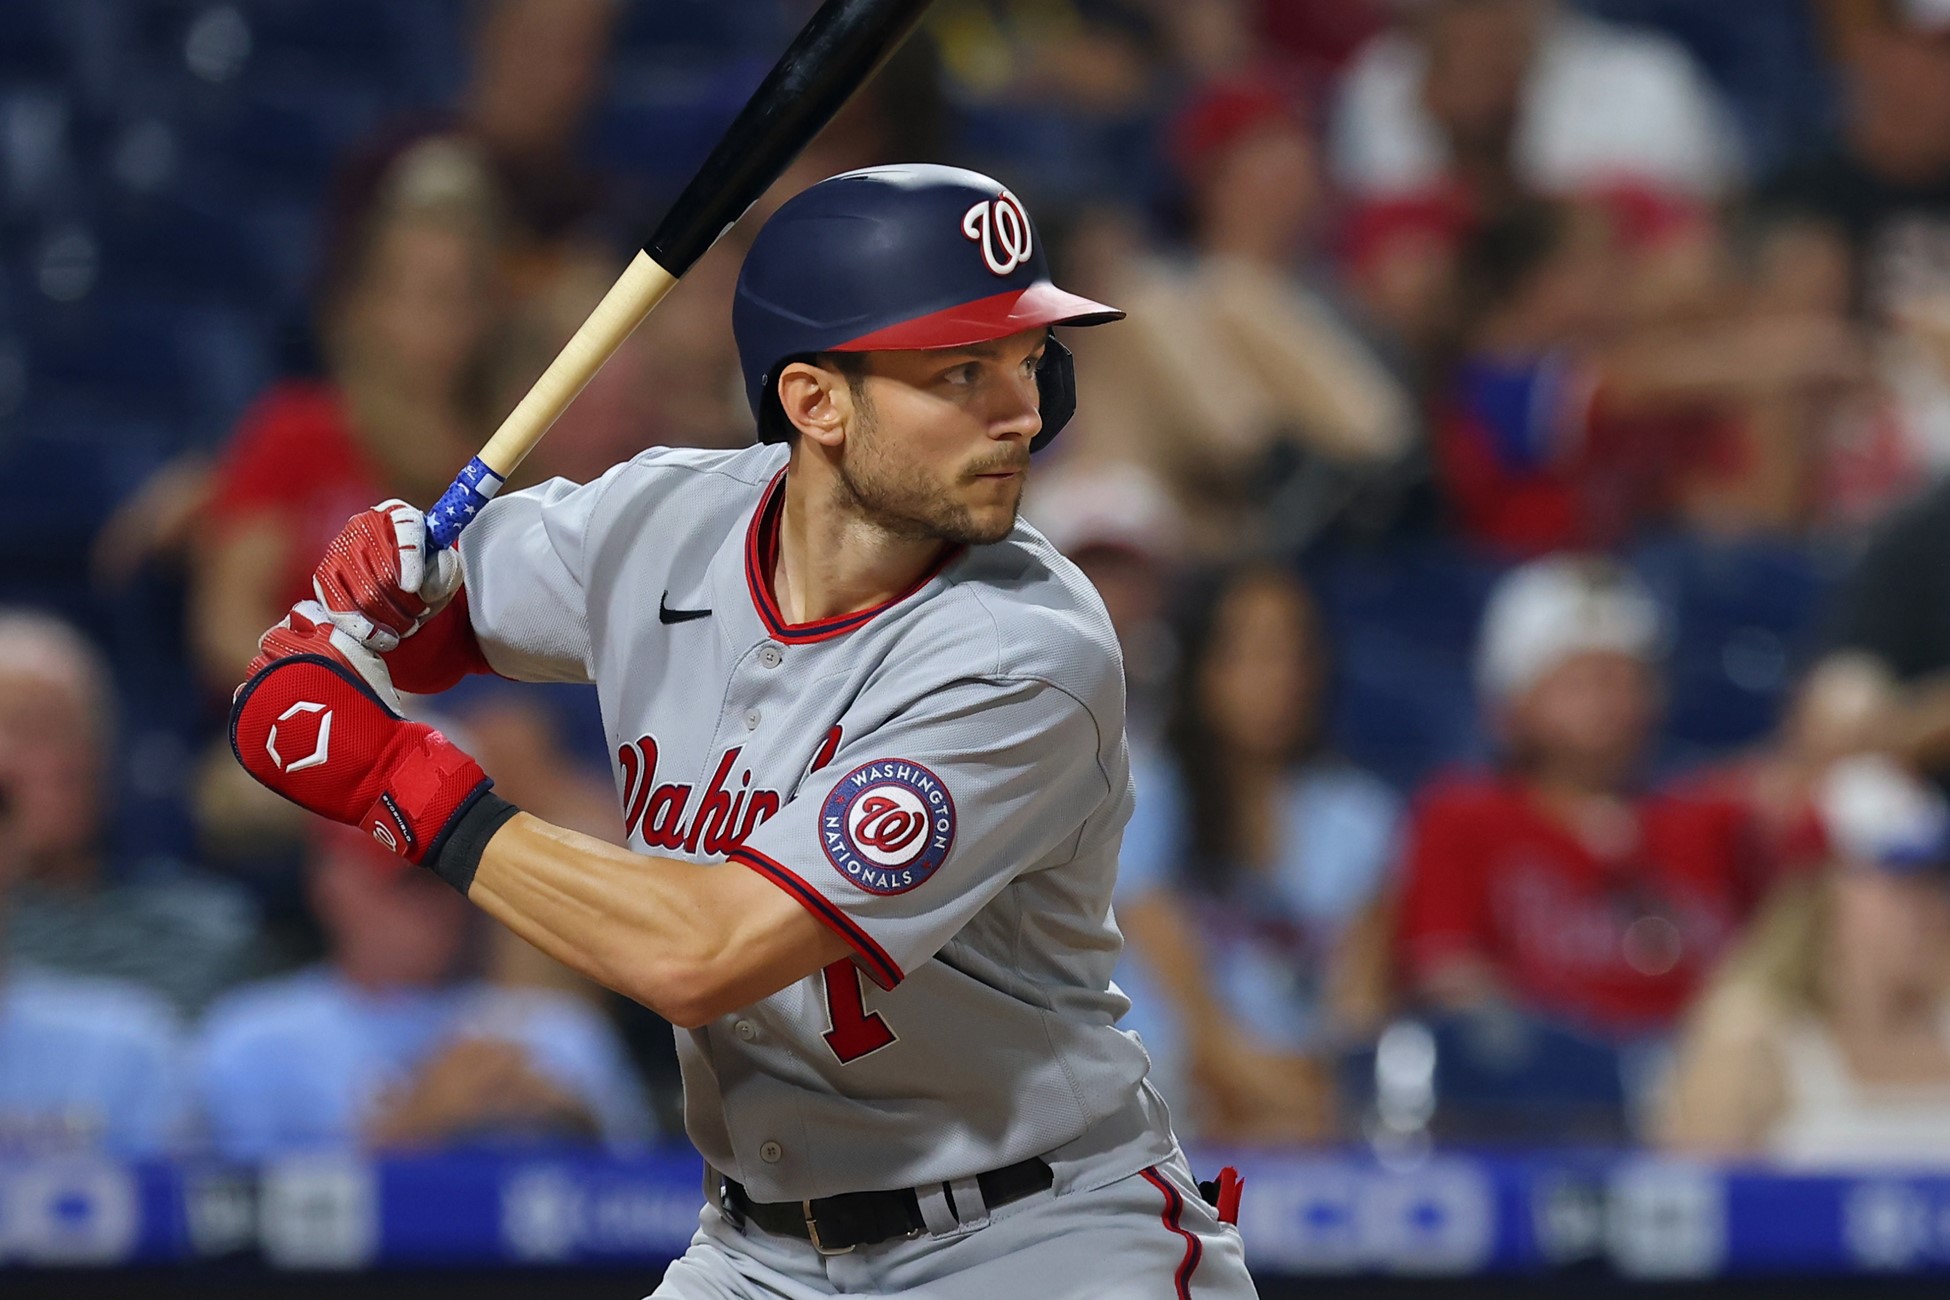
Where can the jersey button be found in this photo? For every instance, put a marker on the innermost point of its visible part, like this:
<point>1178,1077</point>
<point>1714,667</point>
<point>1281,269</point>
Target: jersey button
<point>746,1030</point>
<point>771,656</point>
<point>771,1153</point>
<point>751,719</point>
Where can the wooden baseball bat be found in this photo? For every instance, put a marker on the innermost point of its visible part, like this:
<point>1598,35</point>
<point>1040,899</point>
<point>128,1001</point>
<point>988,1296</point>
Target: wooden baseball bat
<point>836,51</point>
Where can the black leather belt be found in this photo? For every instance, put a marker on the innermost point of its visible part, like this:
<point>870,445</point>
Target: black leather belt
<point>837,1224</point>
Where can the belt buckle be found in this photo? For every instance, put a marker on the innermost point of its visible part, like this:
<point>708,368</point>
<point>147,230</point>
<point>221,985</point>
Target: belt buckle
<point>812,1233</point>
<point>726,1210</point>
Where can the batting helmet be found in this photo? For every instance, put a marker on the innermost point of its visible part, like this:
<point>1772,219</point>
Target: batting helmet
<point>904,257</point>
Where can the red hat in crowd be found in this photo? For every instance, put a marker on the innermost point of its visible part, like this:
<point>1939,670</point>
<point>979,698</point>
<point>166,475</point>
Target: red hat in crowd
<point>1221,115</point>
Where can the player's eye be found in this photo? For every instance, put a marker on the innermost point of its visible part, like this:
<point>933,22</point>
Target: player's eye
<point>963,375</point>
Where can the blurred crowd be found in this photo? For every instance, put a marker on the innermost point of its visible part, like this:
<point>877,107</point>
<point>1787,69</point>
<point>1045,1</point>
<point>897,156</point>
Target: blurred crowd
<point>1519,488</point>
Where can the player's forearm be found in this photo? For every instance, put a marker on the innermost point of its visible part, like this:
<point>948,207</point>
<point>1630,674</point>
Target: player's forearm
<point>691,943</point>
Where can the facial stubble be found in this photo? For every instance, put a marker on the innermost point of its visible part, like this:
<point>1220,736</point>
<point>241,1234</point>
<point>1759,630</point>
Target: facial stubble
<point>903,500</point>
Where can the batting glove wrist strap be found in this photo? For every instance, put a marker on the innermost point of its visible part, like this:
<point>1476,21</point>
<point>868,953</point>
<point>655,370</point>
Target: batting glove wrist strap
<point>456,856</point>
<point>311,729</point>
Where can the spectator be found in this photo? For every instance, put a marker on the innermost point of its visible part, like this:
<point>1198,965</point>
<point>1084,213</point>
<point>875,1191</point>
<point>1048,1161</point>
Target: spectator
<point>1873,212</point>
<point>1526,96</point>
<point>538,70</point>
<point>177,933</point>
<point>1255,873</point>
<point>404,325</point>
<point>1566,423</point>
<point>1230,366</point>
<point>1884,683</point>
<point>84,1063</point>
<point>1118,525</point>
<point>389,1046</point>
<point>1826,1038</point>
<point>535,76</point>
<point>1883,193</point>
<point>1558,884</point>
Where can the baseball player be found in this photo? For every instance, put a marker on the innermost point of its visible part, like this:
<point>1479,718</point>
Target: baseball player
<point>868,733</point>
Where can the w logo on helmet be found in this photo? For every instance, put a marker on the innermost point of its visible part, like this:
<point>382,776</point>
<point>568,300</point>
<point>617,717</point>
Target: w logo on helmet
<point>1001,227</point>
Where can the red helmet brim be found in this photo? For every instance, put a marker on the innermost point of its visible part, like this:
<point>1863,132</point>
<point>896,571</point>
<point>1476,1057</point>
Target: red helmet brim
<point>995,317</point>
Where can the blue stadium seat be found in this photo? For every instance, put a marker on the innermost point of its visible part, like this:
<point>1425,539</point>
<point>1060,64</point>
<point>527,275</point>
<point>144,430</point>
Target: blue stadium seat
<point>1504,1077</point>
<point>658,126</point>
<point>1744,618</point>
<point>150,359</point>
<point>359,38</point>
<point>285,235</point>
<point>64,466</point>
<point>195,252</point>
<point>687,30</point>
<point>1403,623</point>
<point>35,44</point>
<point>360,41</point>
<point>267,149</point>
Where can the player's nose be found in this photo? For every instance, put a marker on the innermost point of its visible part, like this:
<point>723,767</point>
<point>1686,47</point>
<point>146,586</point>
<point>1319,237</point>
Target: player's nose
<point>1020,410</point>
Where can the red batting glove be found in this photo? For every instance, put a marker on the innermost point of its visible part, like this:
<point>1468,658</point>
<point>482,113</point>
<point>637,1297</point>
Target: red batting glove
<point>310,725</point>
<point>378,580</point>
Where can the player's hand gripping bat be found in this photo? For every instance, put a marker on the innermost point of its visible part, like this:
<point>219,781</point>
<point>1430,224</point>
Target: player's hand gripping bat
<point>836,51</point>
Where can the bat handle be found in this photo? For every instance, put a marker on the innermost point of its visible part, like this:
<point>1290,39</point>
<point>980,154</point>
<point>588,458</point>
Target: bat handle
<point>460,503</point>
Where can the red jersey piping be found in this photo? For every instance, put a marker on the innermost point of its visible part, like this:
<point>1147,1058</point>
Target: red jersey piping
<point>880,968</point>
<point>762,548</point>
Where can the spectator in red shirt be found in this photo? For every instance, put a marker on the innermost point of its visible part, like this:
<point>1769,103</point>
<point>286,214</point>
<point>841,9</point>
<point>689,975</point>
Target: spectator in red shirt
<point>1556,884</point>
<point>406,322</point>
<point>1576,408</point>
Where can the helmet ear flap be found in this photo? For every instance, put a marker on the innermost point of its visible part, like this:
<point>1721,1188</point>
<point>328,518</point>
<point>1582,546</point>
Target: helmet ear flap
<point>1056,382</point>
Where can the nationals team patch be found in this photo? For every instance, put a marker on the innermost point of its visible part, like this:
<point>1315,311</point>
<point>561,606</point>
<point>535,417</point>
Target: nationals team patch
<point>888,825</point>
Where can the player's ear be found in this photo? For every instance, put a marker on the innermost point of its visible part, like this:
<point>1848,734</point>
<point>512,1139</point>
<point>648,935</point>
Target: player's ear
<point>816,401</point>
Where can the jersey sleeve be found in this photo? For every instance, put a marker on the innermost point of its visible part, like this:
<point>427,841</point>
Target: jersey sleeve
<point>524,564</point>
<point>914,827</point>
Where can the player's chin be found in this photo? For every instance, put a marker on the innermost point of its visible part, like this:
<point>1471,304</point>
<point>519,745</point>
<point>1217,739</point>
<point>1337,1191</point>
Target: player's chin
<point>981,523</point>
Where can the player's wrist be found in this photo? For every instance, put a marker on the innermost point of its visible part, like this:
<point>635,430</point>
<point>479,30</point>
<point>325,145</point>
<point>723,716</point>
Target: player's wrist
<point>456,855</point>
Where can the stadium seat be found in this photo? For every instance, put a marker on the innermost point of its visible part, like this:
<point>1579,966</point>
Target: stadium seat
<point>1503,1077</point>
<point>35,46</point>
<point>195,252</point>
<point>659,123</point>
<point>1403,626</point>
<point>1744,615</point>
<point>701,30</point>
<point>189,368</point>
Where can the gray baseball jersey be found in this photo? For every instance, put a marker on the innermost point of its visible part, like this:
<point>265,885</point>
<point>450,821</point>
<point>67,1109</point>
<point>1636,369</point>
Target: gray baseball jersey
<point>941,780</point>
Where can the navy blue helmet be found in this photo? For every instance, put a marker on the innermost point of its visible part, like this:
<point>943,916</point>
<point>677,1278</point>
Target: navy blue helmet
<point>902,257</point>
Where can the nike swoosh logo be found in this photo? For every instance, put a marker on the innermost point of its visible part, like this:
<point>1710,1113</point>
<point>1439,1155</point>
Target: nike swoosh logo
<point>668,615</point>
